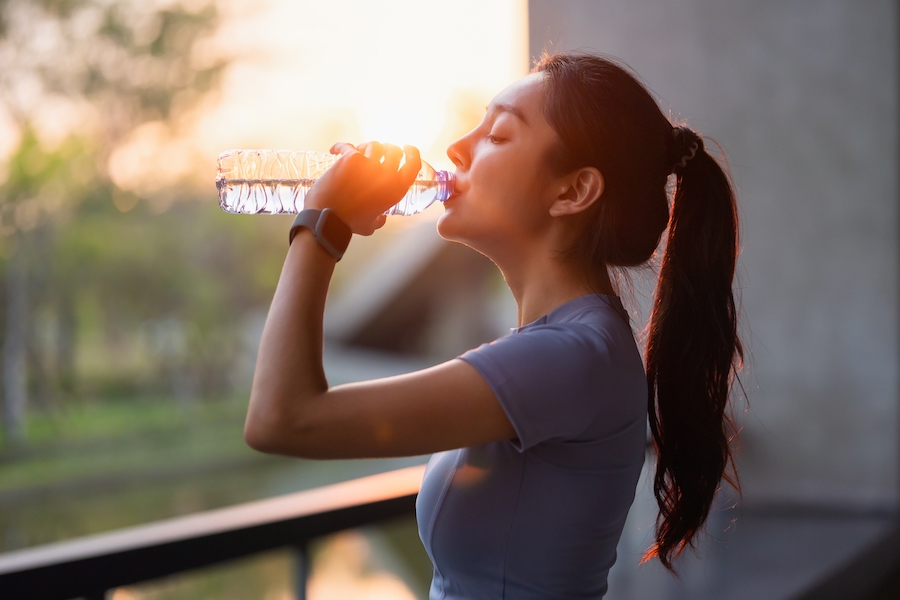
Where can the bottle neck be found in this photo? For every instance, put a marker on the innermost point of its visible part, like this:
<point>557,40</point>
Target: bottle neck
<point>446,185</point>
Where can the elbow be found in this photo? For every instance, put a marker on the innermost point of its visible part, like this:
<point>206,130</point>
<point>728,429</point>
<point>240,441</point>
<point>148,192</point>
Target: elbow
<point>283,432</point>
<point>258,436</point>
<point>280,418</point>
<point>264,426</point>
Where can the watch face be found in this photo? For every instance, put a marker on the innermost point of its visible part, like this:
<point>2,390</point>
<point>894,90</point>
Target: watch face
<point>332,230</point>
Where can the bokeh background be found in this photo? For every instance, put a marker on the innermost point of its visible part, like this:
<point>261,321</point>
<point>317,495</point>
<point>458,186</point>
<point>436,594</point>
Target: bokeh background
<point>131,306</point>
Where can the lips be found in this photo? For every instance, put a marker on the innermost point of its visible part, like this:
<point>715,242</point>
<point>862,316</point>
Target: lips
<point>454,195</point>
<point>457,190</point>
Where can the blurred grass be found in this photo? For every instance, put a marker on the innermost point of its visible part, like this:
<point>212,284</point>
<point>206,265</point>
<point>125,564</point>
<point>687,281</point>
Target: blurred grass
<point>95,466</point>
<point>124,438</point>
<point>107,465</point>
<point>125,461</point>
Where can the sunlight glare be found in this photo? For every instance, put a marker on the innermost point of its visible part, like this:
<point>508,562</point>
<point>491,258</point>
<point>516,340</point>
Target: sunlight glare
<point>401,123</point>
<point>312,73</point>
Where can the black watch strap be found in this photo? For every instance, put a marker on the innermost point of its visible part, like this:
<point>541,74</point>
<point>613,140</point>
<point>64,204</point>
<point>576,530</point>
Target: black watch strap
<point>327,228</point>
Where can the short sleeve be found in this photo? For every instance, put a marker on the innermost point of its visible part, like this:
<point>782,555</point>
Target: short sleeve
<point>549,379</point>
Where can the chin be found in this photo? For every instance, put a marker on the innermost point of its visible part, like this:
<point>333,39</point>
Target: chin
<point>454,229</point>
<point>448,226</point>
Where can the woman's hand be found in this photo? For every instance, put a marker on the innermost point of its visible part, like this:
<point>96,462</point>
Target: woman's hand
<point>365,181</point>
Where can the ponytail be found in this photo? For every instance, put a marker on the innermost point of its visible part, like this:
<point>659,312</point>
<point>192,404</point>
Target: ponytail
<point>693,348</point>
<point>606,119</point>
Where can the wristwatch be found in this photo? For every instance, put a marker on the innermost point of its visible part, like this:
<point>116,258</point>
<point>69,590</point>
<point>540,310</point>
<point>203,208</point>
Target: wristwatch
<point>327,228</point>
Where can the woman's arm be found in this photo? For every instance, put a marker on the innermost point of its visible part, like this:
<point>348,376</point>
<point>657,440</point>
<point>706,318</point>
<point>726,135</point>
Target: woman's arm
<point>293,411</point>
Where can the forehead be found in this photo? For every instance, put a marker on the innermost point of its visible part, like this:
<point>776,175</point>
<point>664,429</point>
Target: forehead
<point>523,98</point>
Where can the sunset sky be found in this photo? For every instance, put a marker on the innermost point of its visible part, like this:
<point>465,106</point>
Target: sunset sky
<point>403,71</point>
<point>305,74</point>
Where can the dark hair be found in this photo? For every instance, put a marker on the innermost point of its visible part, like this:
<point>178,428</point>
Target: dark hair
<point>606,119</point>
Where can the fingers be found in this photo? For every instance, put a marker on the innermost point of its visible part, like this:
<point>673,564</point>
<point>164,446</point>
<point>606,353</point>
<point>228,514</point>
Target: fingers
<point>371,150</point>
<point>392,157</point>
<point>342,148</point>
<point>371,227</point>
<point>388,155</point>
<point>413,164</point>
<point>365,181</point>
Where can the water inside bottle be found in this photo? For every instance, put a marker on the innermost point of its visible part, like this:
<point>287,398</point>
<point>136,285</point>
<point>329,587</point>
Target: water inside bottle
<point>266,196</point>
<point>262,196</point>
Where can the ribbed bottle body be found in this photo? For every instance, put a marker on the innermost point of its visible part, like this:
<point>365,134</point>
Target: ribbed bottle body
<point>276,182</point>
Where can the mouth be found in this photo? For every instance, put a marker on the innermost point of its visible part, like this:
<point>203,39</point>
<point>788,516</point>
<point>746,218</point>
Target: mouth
<point>453,196</point>
<point>457,189</point>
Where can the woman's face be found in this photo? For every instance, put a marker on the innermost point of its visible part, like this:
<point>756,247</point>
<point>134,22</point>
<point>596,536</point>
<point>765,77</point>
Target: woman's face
<point>503,181</point>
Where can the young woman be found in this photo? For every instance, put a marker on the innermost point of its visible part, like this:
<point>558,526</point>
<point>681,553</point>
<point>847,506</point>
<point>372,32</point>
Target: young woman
<point>539,436</point>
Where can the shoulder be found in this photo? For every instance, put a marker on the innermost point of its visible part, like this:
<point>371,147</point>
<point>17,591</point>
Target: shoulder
<point>578,334</point>
<point>552,378</point>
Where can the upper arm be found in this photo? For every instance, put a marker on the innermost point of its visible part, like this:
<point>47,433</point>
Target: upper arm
<point>447,406</point>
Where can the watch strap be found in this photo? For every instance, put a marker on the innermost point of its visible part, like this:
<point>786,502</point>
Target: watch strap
<point>328,229</point>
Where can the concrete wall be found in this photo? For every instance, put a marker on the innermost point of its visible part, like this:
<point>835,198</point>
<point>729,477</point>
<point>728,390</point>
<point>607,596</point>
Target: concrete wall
<point>803,97</point>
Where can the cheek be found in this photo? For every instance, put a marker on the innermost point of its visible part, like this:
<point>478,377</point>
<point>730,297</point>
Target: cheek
<point>484,225</point>
<point>499,204</point>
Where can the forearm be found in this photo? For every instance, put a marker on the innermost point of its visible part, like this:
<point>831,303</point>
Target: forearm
<point>289,373</point>
<point>293,412</point>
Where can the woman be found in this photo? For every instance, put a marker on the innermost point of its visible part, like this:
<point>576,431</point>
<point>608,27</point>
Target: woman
<point>540,435</point>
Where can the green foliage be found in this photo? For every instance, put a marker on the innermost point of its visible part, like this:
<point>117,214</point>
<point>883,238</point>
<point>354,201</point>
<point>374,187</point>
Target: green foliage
<point>122,296</point>
<point>168,71</point>
<point>192,270</point>
<point>43,184</point>
<point>131,58</point>
<point>180,284</point>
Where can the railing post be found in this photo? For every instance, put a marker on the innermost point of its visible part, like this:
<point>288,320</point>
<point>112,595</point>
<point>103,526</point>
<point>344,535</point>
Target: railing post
<point>301,570</point>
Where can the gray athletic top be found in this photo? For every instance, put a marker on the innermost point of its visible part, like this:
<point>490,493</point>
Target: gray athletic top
<point>540,516</point>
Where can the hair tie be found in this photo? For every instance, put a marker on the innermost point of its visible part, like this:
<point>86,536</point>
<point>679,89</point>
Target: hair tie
<point>691,153</point>
<point>681,137</point>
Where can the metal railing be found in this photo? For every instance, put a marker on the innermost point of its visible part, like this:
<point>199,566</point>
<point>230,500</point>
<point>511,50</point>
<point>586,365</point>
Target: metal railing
<point>90,566</point>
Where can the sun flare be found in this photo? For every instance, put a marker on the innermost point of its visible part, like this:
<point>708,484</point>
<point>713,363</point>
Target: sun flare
<point>401,71</point>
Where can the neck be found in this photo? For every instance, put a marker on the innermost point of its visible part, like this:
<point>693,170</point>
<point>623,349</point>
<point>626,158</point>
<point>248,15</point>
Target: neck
<point>543,282</point>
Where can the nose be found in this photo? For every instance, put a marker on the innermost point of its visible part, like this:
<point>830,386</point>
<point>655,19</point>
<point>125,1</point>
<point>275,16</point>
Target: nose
<point>459,152</point>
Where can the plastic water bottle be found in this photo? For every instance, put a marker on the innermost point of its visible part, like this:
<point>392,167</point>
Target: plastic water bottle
<point>275,182</point>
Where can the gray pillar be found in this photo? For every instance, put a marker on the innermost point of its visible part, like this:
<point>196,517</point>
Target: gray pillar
<point>803,97</point>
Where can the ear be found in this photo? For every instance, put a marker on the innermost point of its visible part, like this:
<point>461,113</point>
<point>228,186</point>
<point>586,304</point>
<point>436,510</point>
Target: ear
<point>576,191</point>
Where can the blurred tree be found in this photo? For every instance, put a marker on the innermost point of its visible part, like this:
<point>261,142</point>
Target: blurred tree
<point>78,77</point>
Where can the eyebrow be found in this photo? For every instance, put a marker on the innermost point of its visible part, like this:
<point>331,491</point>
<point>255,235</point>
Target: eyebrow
<point>510,108</point>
